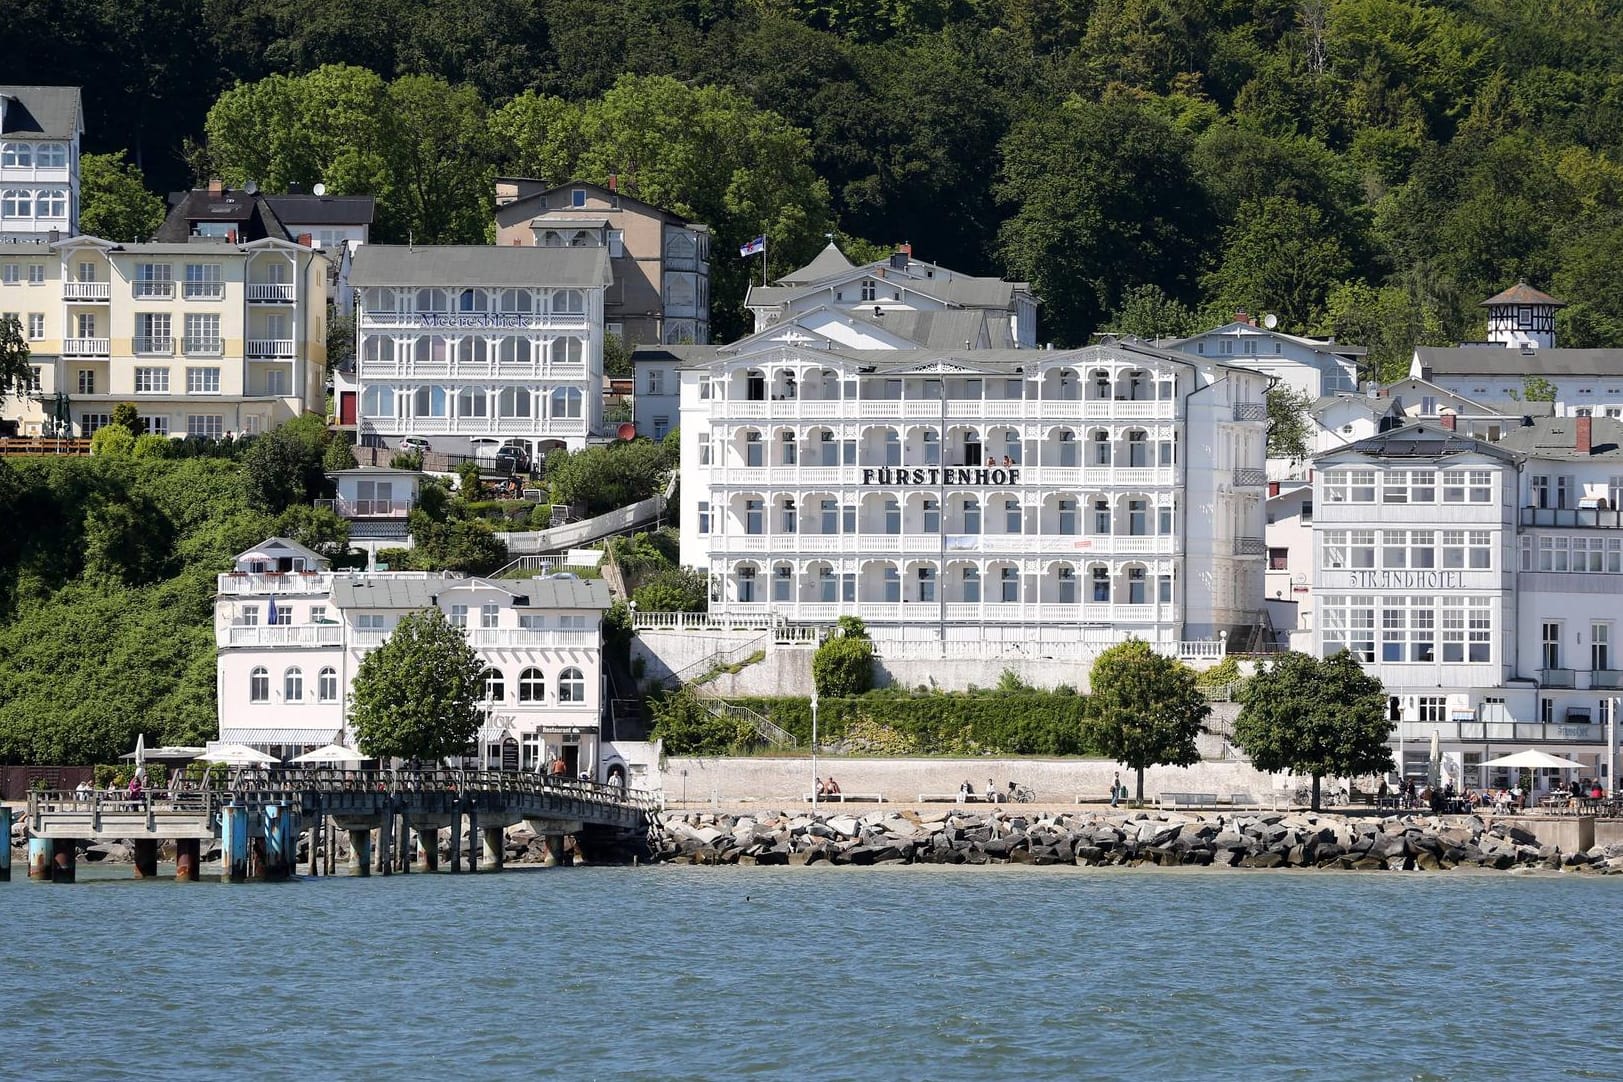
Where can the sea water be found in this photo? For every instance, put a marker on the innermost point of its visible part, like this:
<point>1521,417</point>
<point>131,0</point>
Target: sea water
<point>813,973</point>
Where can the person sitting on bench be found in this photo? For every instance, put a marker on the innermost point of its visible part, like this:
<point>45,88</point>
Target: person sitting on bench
<point>831,787</point>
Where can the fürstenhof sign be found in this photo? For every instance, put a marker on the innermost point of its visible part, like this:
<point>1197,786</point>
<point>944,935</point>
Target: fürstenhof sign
<point>1406,580</point>
<point>941,475</point>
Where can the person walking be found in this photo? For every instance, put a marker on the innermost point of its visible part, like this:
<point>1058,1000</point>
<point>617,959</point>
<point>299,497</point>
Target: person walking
<point>1115,790</point>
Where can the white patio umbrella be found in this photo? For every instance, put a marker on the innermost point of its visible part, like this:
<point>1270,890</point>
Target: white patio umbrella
<point>1434,765</point>
<point>330,753</point>
<point>1534,760</point>
<point>236,755</point>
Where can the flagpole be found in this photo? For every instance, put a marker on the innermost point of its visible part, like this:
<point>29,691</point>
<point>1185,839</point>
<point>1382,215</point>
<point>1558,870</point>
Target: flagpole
<point>763,259</point>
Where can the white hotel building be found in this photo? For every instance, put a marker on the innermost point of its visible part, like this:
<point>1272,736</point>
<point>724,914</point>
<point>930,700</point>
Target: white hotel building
<point>40,129</point>
<point>1014,501</point>
<point>291,634</point>
<point>1479,582</point>
<point>474,346</point>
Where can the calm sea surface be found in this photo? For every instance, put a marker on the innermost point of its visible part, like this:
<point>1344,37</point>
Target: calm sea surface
<point>938,973</point>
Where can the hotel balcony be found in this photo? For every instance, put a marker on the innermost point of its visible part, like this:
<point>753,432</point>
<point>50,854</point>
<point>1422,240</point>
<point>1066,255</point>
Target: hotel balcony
<point>1250,411</point>
<point>152,290</point>
<point>270,293</point>
<point>522,637</point>
<point>202,291</point>
<point>367,508</point>
<point>1558,678</point>
<point>949,546</point>
<point>1250,546</point>
<point>248,584</point>
<point>472,370</point>
<point>1516,733</point>
<point>275,348</point>
<point>951,409</point>
<point>1248,478</point>
<point>202,347</point>
<point>957,612</point>
<point>91,292</point>
<point>543,427</point>
<point>86,347</point>
<point>283,635</point>
<point>1572,518</point>
<point>1056,477</point>
<point>153,347</point>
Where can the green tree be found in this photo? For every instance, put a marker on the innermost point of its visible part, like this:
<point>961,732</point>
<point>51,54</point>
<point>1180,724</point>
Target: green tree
<point>604,478</point>
<point>688,727</point>
<point>1314,716</point>
<point>16,374</point>
<point>1288,431</point>
<point>340,453</point>
<point>1104,199</point>
<point>1279,256</point>
<point>315,528</point>
<point>116,204</point>
<point>114,441</point>
<point>417,696</point>
<point>285,465</point>
<point>1147,312</point>
<point>127,416</point>
<point>1537,389</point>
<point>1144,709</point>
<point>678,589</point>
<point>842,666</point>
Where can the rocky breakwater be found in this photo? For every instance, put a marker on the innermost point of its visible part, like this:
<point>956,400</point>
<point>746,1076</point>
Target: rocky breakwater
<point>1254,840</point>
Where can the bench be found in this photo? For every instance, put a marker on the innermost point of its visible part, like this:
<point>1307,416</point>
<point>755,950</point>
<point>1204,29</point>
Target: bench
<point>1244,800</point>
<point>844,797</point>
<point>953,798</point>
<point>1175,801</point>
<point>1102,798</point>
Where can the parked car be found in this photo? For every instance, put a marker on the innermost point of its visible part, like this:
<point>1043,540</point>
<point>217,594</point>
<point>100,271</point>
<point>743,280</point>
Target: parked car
<point>513,459</point>
<point>414,444</point>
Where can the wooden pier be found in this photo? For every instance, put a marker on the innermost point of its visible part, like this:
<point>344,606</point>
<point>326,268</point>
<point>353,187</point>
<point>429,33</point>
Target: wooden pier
<point>259,817</point>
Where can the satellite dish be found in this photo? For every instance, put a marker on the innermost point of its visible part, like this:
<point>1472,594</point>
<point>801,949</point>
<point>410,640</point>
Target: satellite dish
<point>1270,321</point>
<point>320,188</point>
<point>251,187</point>
<point>626,431</point>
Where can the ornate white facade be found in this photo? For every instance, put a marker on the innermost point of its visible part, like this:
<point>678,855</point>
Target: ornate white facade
<point>291,634</point>
<point>1038,500</point>
<point>470,347</point>
<point>40,129</point>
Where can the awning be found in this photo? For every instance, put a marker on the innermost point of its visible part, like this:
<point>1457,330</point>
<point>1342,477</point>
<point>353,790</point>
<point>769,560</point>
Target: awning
<point>255,736</point>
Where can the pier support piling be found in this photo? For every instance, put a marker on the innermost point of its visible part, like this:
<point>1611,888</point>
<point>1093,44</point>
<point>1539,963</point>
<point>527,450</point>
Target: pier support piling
<point>146,858</point>
<point>5,844</point>
<point>360,853</point>
<point>234,844</point>
<point>64,860</point>
<point>473,839</point>
<point>39,858</point>
<point>278,825</point>
<point>495,846</point>
<point>405,852</point>
<point>428,839</point>
<point>188,855</point>
<point>386,844</point>
<point>555,851</point>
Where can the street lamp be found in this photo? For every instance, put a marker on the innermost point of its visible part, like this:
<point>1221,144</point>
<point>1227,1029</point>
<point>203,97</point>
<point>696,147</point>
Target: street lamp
<point>814,743</point>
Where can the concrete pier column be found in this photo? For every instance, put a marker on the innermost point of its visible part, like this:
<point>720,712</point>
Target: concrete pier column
<point>405,852</point>
<point>555,851</point>
<point>360,852</point>
<point>386,844</point>
<point>456,843</point>
<point>188,855</point>
<point>146,858</point>
<point>429,842</point>
<point>5,844</point>
<point>277,827</point>
<point>473,839</point>
<point>64,860</point>
<point>315,844</point>
<point>39,858</point>
<point>234,853</point>
<point>495,847</point>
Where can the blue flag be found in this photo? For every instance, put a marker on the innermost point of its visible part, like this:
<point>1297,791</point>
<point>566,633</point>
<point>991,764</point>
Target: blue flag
<point>753,247</point>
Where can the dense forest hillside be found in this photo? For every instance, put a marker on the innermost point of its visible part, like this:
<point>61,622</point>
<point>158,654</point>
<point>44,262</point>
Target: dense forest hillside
<point>1369,167</point>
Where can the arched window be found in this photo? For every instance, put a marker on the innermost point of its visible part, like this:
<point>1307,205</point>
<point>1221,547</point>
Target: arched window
<point>569,302</point>
<point>1101,448</point>
<point>430,348</point>
<point>16,154</point>
<point>259,685</point>
<point>431,300</point>
<point>514,402</point>
<point>1138,448</point>
<point>472,349</point>
<point>473,300</point>
<point>429,402</point>
<point>495,686</point>
<point>293,686</point>
<point>472,402</point>
<point>566,351</point>
<point>571,686</point>
<point>51,155</point>
<point>327,685</point>
<point>532,686</point>
<point>377,402</point>
<point>16,203</point>
<point>566,402</point>
<point>551,239</point>
<point>377,347</point>
<point>514,349</point>
<point>51,203</point>
<point>515,301</point>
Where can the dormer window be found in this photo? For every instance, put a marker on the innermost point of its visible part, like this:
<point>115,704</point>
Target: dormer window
<point>577,198</point>
<point>868,291</point>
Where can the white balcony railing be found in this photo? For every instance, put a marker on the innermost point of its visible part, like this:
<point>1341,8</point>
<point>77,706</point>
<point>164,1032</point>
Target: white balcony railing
<point>154,347</point>
<point>270,293</point>
<point>152,289</point>
<point>270,347</point>
<point>285,635</point>
<point>491,369</point>
<point>368,508</point>
<point>203,291</point>
<point>202,347</point>
<point>990,409</point>
<point>87,291</point>
<point>86,347</point>
<point>290,582</point>
<point>487,637</point>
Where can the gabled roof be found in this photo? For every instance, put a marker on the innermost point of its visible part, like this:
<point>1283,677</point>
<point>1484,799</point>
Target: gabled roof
<point>44,112</point>
<point>387,593</point>
<point>1240,328</point>
<point>479,265</point>
<point>539,204</point>
<point>282,546</point>
<point>373,471</point>
<point>829,262</point>
<point>1521,293</point>
<point>324,209</point>
<point>1424,439</point>
<point>250,215</point>
<point>1557,438</point>
<point>1499,361</point>
<point>910,361</point>
<point>566,591</point>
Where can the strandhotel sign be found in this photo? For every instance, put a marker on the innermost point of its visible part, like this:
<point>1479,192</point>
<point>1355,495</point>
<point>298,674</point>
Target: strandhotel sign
<point>903,477</point>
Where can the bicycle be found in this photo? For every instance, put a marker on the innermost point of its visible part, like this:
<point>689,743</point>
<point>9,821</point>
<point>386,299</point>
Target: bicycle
<point>1022,794</point>
<point>1330,796</point>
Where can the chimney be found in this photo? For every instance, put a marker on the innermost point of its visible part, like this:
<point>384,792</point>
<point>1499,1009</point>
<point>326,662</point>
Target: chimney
<point>1585,435</point>
<point>216,186</point>
<point>1448,421</point>
<point>614,182</point>
<point>307,240</point>
<point>1273,489</point>
<point>906,248</point>
<point>1244,317</point>
<point>295,188</point>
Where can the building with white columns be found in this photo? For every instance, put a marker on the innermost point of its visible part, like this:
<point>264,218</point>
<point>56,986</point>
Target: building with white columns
<point>1010,500</point>
<point>475,346</point>
<point>40,129</point>
<point>291,633</point>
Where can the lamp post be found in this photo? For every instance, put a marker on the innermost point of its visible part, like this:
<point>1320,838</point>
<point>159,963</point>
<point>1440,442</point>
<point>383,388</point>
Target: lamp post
<point>814,743</point>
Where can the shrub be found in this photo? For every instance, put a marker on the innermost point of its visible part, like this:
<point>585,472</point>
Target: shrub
<point>678,589</point>
<point>687,728</point>
<point>843,666</point>
<point>407,460</point>
<point>115,441</point>
<point>152,446</point>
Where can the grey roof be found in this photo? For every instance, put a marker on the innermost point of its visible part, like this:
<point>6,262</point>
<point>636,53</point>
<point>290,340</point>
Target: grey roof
<point>1521,293</point>
<point>47,112</point>
<point>251,215</point>
<point>899,361</point>
<point>947,329</point>
<point>387,593</point>
<point>1557,437</point>
<point>284,544</point>
<point>324,209</point>
<point>1500,361</point>
<point>1425,439</point>
<point>829,262</point>
<point>1238,328</point>
<point>565,591</point>
<point>373,471</point>
<point>479,265</point>
<point>964,292</point>
<point>524,206</point>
